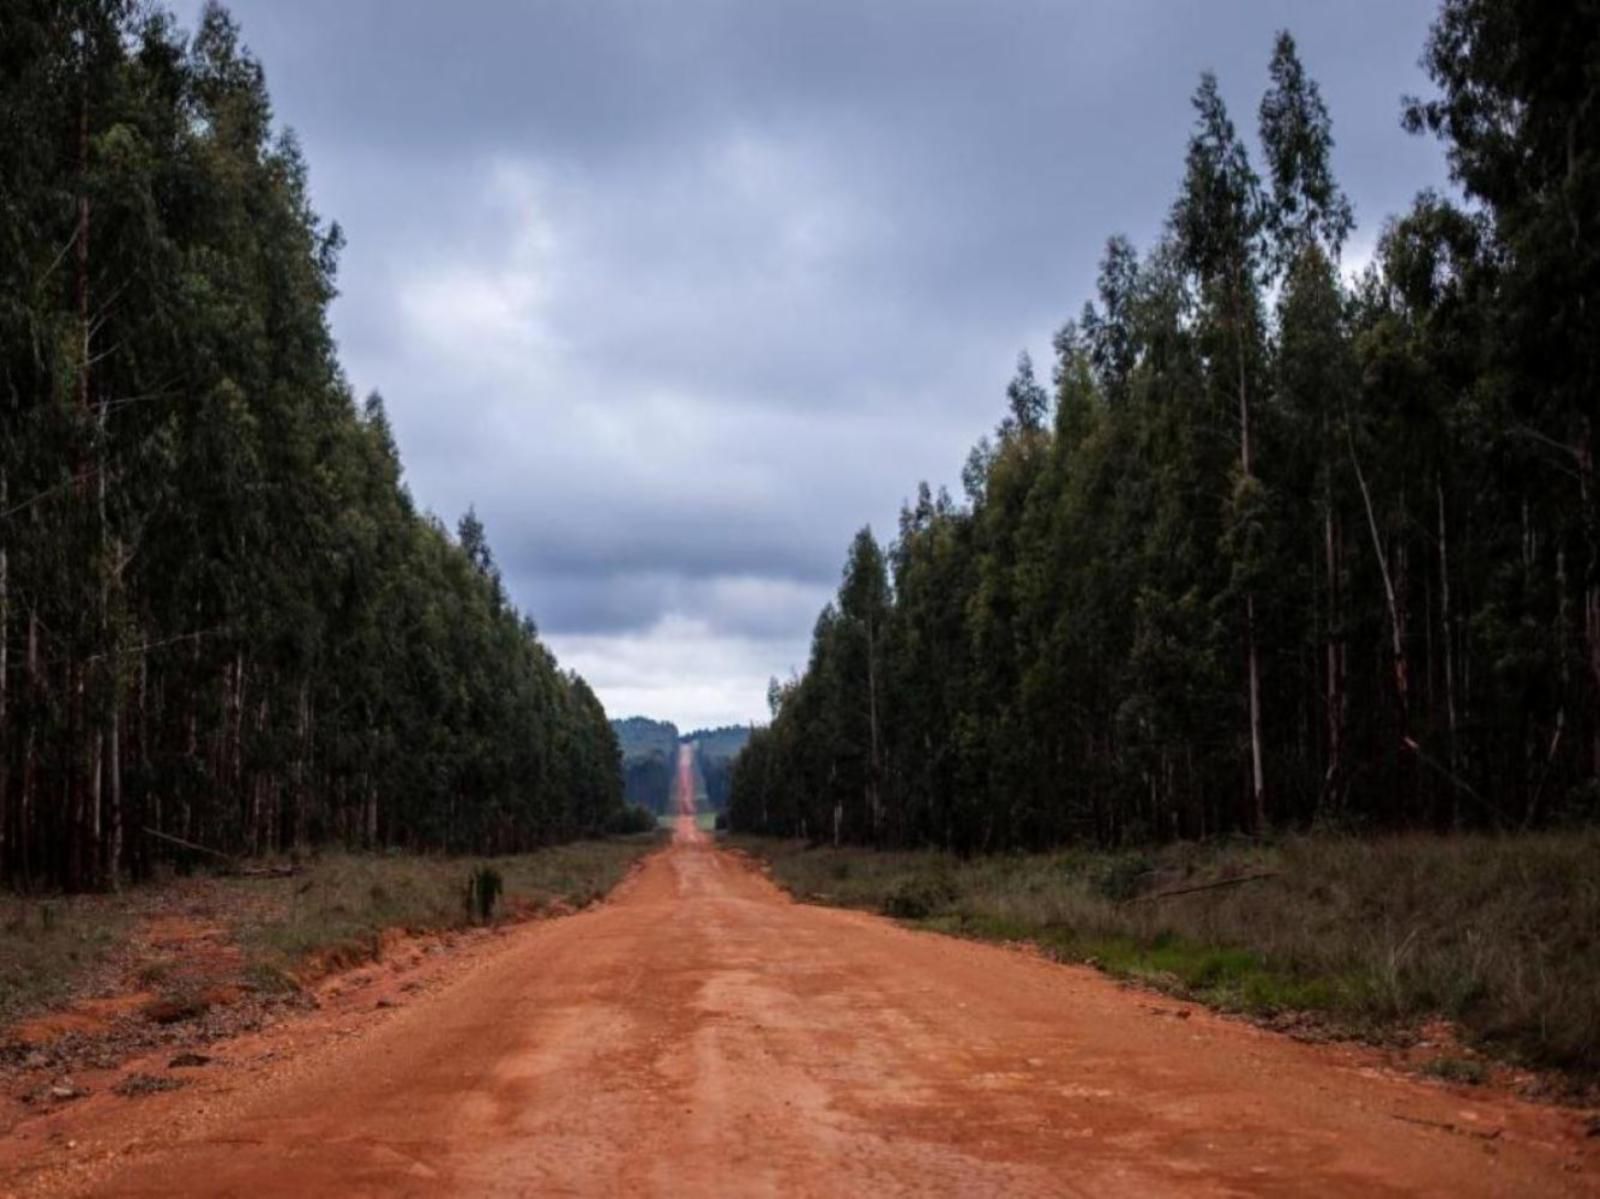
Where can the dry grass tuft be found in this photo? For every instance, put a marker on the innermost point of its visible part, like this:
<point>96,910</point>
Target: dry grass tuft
<point>339,909</point>
<point>48,947</point>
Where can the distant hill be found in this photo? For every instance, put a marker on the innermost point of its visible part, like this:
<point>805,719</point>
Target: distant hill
<point>649,759</point>
<point>638,736</point>
<point>722,743</point>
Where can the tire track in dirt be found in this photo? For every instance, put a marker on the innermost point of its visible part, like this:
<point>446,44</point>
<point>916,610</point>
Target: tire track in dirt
<point>700,1033</point>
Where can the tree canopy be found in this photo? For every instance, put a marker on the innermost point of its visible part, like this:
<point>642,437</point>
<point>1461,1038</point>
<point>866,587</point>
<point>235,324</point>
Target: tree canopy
<point>222,618</point>
<point>1283,548</point>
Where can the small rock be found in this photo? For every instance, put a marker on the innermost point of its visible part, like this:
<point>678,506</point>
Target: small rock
<point>188,1059</point>
<point>386,1003</point>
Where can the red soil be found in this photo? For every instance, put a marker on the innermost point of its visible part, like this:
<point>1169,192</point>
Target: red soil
<point>702,1034</point>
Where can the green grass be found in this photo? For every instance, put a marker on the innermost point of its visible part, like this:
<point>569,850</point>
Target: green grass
<point>48,947</point>
<point>1498,934</point>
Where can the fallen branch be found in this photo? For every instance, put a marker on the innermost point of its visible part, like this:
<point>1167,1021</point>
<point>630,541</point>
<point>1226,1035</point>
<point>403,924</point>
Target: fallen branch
<point>216,853</point>
<point>267,871</point>
<point>1226,882</point>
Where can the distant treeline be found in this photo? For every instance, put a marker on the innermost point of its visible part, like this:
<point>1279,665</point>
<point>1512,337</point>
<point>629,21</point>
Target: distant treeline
<point>650,760</point>
<point>221,616</point>
<point>1277,549</point>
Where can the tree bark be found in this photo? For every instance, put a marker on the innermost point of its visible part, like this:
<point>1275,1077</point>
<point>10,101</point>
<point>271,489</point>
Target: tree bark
<point>1591,591</point>
<point>1447,620</point>
<point>1258,788</point>
<point>1335,671</point>
<point>875,800</point>
<point>5,674</point>
<point>1396,630</point>
<point>29,756</point>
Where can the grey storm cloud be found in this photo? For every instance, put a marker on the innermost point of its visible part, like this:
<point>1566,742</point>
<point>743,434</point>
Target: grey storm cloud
<point>680,295</point>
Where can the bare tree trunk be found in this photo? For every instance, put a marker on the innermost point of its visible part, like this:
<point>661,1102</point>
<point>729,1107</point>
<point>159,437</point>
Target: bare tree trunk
<point>875,800</point>
<point>153,814</point>
<point>97,774</point>
<point>1335,677</point>
<point>1396,629</point>
<point>1258,787</point>
<point>1257,775</point>
<point>74,798</point>
<point>82,248</point>
<point>29,755</point>
<point>1449,654</point>
<point>79,671</point>
<point>5,665</point>
<point>109,702</point>
<point>1563,616</point>
<point>1591,591</point>
<point>235,730</point>
<point>114,761</point>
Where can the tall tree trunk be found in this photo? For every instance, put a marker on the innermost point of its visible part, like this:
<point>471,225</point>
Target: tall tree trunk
<point>1447,619</point>
<point>1396,628</point>
<point>875,800</point>
<point>82,788</point>
<point>114,816</point>
<point>1258,786</point>
<point>1591,590</point>
<point>5,675</point>
<point>1335,659</point>
<point>150,798</point>
<point>29,756</point>
<point>301,765</point>
<point>97,774</point>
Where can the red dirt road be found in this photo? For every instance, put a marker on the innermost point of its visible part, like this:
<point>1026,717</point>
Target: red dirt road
<point>701,1034</point>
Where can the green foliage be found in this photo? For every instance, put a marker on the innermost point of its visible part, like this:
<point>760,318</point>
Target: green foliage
<point>920,896</point>
<point>222,616</point>
<point>1345,542</point>
<point>484,886</point>
<point>1123,877</point>
<point>1464,1070</point>
<point>48,948</point>
<point>631,820</point>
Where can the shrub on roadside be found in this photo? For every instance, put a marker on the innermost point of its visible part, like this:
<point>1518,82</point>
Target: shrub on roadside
<point>921,896</point>
<point>484,886</point>
<point>631,820</point>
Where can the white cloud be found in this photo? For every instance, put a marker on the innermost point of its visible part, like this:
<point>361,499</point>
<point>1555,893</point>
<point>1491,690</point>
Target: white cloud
<point>681,295</point>
<point>681,669</point>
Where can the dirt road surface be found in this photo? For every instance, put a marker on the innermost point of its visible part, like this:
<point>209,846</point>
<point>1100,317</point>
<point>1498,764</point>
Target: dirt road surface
<point>702,1034</point>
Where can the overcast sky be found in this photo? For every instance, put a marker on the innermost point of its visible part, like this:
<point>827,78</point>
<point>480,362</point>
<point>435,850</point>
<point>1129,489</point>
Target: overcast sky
<point>679,295</point>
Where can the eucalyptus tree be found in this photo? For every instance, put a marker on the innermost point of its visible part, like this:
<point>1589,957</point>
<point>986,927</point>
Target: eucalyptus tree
<point>1217,223</point>
<point>1308,218</point>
